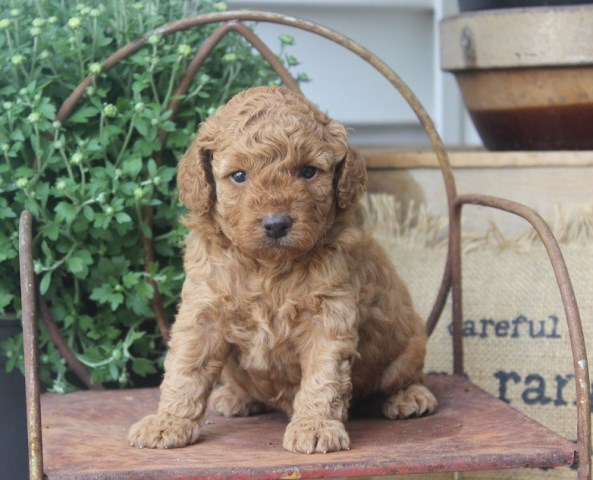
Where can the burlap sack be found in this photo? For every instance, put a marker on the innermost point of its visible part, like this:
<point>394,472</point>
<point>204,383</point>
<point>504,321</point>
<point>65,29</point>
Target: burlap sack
<point>516,339</point>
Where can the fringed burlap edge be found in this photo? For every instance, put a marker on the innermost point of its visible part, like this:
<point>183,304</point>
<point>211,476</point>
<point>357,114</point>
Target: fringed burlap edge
<point>383,216</point>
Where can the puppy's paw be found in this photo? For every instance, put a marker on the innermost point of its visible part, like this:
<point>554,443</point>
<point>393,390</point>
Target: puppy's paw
<point>413,401</point>
<point>229,402</point>
<point>313,435</point>
<point>163,431</point>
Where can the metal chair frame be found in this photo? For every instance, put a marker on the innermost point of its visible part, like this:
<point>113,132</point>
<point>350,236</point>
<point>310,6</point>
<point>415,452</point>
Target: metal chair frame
<point>451,281</point>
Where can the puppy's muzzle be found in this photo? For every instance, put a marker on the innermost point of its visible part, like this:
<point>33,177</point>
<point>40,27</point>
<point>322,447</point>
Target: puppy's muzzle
<point>276,225</point>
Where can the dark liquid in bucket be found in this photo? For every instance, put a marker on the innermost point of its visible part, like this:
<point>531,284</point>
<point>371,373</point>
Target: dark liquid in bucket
<point>568,127</point>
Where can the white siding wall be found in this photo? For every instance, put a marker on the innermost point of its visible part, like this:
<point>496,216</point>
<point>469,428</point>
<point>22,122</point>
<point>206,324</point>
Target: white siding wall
<point>403,33</point>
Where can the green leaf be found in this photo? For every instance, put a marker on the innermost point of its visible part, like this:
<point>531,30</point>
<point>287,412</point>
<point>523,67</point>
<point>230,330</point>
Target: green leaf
<point>122,217</point>
<point>143,367</point>
<point>146,231</point>
<point>132,166</point>
<point>79,262</point>
<point>146,147</point>
<point>49,255</point>
<point>75,265</point>
<point>51,231</point>
<point>152,169</point>
<point>7,212</point>
<point>44,284</point>
<point>83,114</point>
<point>142,125</point>
<point>113,371</point>
<point>85,322</point>
<point>145,290</point>
<point>130,279</point>
<point>47,109</point>
<point>65,211</point>
<point>106,294</point>
<point>17,136</point>
<point>5,299</point>
<point>88,213</point>
<point>102,220</point>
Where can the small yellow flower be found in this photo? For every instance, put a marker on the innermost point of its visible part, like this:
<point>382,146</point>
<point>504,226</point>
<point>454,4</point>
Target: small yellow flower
<point>5,23</point>
<point>110,110</point>
<point>17,59</point>
<point>154,39</point>
<point>95,12</point>
<point>138,193</point>
<point>95,68</point>
<point>35,31</point>
<point>52,19</point>
<point>74,23</point>
<point>38,22</point>
<point>22,182</point>
<point>229,57</point>
<point>15,12</point>
<point>184,50</point>
<point>286,39</point>
<point>220,6</point>
<point>33,117</point>
<point>77,158</point>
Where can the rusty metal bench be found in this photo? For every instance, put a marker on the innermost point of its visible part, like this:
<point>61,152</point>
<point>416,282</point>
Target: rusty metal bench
<point>82,435</point>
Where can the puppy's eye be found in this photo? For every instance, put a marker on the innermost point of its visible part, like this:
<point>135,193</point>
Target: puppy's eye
<point>239,176</point>
<point>307,172</point>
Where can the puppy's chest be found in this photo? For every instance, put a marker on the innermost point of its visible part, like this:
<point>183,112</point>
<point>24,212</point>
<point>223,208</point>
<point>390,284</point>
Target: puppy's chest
<point>270,322</point>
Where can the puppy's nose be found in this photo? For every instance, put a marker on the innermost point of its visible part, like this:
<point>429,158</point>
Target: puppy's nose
<point>276,225</point>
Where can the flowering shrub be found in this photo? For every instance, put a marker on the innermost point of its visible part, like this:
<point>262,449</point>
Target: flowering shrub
<point>88,181</point>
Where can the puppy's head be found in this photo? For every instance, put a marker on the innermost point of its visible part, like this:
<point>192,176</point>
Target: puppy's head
<point>272,171</point>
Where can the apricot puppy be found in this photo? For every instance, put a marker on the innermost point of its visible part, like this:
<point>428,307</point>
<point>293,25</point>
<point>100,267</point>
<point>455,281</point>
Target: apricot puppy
<point>286,304</point>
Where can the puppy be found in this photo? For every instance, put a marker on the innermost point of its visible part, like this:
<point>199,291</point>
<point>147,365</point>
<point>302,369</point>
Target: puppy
<point>286,304</point>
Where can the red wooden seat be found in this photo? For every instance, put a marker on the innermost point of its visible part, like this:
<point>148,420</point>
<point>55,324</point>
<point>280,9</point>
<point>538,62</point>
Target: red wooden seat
<point>83,435</point>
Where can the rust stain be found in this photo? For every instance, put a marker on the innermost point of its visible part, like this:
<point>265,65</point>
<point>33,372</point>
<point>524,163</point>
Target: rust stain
<point>291,476</point>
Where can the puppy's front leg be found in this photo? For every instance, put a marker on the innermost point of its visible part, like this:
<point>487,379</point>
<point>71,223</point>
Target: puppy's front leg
<point>197,353</point>
<point>321,404</point>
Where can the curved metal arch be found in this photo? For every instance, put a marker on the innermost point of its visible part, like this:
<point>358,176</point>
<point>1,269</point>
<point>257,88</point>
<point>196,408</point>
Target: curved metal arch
<point>571,311</point>
<point>231,18</point>
<point>300,24</point>
<point>453,266</point>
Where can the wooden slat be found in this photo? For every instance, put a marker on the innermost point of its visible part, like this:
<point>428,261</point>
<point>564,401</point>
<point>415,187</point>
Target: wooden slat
<point>85,438</point>
<point>408,157</point>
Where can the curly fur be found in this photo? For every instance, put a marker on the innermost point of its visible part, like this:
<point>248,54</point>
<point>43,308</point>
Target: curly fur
<point>308,322</point>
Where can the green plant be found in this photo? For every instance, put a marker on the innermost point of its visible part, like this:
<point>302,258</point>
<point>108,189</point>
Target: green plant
<point>89,181</point>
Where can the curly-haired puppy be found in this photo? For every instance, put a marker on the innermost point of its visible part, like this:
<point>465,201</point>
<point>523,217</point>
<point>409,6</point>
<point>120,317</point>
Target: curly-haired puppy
<point>286,304</point>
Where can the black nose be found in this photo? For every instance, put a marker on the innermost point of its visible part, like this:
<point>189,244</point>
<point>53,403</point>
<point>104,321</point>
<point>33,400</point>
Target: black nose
<point>276,225</point>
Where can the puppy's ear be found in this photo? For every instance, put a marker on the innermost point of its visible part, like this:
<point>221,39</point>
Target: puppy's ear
<point>350,179</point>
<point>350,175</point>
<point>195,180</point>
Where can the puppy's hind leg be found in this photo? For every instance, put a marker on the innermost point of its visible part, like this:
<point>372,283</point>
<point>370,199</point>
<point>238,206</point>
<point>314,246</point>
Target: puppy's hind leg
<point>414,400</point>
<point>230,400</point>
<point>403,382</point>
